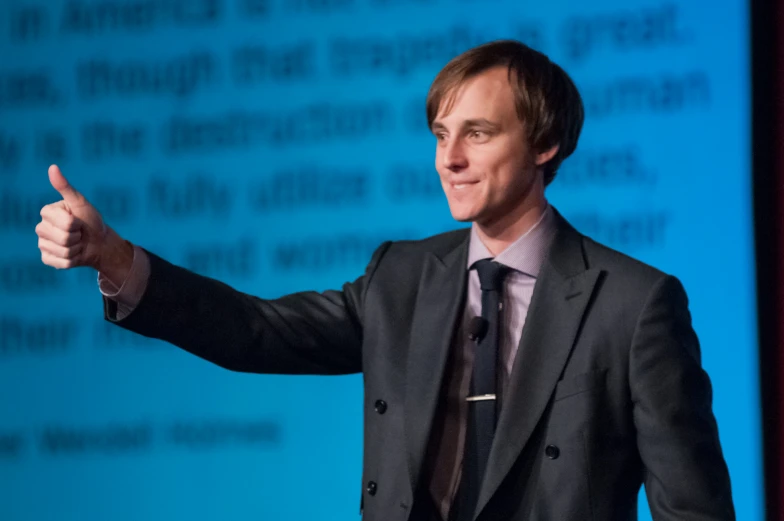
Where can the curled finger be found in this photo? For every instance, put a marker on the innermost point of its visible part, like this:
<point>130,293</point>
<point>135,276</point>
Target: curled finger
<point>63,252</point>
<point>56,262</point>
<point>48,231</point>
<point>59,217</point>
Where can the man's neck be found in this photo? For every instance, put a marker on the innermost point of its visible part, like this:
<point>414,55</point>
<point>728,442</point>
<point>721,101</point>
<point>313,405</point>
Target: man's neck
<point>498,235</point>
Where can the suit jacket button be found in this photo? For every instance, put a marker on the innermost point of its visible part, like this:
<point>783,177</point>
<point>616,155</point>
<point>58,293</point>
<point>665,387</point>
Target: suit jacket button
<point>381,406</point>
<point>371,488</point>
<point>552,452</point>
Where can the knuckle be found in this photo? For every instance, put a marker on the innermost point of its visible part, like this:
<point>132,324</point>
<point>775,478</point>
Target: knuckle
<point>51,236</point>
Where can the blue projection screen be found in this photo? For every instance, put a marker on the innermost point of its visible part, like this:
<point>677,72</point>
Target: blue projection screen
<point>273,144</point>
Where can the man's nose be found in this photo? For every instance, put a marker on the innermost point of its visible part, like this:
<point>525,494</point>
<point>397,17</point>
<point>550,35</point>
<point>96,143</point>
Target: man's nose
<point>454,157</point>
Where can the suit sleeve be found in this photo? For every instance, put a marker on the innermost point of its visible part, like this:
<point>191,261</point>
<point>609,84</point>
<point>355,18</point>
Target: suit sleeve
<point>686,477</point>
<point>301,333</point>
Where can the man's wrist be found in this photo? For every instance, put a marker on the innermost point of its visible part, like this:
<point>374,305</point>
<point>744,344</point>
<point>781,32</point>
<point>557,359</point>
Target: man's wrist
<point>116,258</point>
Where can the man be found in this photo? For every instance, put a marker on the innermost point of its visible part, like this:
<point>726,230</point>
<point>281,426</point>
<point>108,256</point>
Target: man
<point>517,370</point>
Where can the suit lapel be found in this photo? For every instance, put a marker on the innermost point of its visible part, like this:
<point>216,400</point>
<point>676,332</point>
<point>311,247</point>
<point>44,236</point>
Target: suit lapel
<point>439,304</point>
<point>560,298</point>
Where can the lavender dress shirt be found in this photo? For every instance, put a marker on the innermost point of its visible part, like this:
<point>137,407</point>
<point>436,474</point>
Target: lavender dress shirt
<point>525,256</point>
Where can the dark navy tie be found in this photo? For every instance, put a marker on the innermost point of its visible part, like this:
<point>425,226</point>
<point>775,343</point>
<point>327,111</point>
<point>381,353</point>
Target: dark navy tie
<point>482,405</point>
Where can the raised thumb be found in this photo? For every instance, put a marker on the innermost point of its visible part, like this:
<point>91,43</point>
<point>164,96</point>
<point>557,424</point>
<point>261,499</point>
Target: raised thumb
<point>61,184</point>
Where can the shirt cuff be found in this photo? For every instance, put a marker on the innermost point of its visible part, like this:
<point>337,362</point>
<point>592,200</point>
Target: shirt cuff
<point>130,292</point>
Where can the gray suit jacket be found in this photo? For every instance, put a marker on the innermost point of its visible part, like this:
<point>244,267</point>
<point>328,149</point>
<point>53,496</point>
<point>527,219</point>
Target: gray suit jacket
<point>607,390</point>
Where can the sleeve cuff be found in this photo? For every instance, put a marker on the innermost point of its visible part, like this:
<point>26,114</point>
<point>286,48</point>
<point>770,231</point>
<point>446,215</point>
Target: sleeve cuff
<point>130,292</point>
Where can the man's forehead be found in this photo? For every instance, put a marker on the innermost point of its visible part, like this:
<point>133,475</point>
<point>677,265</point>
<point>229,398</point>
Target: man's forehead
<point>483,96</point>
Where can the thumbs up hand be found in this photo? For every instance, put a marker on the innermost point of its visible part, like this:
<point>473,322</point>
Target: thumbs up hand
<point>72,233</point>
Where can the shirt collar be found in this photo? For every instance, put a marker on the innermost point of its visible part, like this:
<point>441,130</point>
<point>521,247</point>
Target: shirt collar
<point>526,254</point>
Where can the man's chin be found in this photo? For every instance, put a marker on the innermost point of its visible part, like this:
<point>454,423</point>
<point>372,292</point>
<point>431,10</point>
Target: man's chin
<point>463,216</point>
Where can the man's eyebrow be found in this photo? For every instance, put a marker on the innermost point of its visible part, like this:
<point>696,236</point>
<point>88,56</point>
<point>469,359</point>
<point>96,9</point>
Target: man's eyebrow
<point>478,122</point>
<point>481,122</point>
<point>437,126</point>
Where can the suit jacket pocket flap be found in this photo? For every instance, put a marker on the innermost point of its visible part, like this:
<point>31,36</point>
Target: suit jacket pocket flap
<point>579,384</point>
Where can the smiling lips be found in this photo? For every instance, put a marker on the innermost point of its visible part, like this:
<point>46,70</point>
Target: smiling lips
<point>462,184</point>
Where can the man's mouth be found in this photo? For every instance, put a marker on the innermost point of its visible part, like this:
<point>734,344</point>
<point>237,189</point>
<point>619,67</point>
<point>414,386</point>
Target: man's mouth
<point>463,185</point>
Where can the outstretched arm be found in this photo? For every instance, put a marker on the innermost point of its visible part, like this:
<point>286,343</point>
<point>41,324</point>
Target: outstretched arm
<point>309,332</point>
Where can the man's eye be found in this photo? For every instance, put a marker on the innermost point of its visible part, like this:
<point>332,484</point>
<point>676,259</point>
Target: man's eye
<point>478,134</point>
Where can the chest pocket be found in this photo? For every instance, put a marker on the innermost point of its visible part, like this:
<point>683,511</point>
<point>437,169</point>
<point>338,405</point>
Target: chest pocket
<point>579,384</point>
<point>576,401</point>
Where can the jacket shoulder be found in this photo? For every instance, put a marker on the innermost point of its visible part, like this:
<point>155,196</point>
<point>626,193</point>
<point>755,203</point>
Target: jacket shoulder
<point>624,272</point>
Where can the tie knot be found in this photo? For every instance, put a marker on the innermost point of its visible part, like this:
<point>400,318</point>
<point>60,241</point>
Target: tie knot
<point>491,274</point>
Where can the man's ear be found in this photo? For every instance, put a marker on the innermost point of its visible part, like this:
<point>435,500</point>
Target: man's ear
<point>547,155</point>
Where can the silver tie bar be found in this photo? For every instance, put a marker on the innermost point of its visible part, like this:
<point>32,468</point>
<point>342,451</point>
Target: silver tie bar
<point>480,398</point>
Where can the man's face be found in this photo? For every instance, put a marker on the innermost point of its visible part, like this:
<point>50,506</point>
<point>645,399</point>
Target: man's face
<point>486,168</point>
